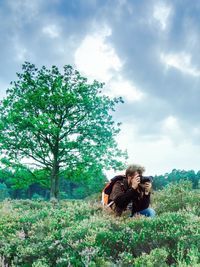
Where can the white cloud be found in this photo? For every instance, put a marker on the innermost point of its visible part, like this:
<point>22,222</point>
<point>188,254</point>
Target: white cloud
<point>171,129</point>
<point>51,31</point>
<point>171,124</point>
<point>97,59</point>
<point>161,13</point>
<point>196,131</point>
<point>124,88</point>
<point>157,155</point>
<point>180,61</point>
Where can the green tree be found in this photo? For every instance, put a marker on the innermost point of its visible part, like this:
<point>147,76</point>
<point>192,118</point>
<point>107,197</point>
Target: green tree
<point>82,183</point>
<point>59,121</point>
<point>3,191</point>
<point>21,180</point>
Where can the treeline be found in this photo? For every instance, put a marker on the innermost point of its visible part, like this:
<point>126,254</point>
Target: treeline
<point>20,182</point>
<point>160,181</point>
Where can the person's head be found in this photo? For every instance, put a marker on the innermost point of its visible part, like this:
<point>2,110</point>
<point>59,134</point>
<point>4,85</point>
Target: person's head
<point>133,168</point>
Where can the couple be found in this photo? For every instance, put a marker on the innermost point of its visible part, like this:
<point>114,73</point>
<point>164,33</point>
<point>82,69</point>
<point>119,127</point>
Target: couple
<point>135,189</point>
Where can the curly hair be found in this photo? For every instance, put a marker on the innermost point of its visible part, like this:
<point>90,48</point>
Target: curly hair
<point>132,168</point>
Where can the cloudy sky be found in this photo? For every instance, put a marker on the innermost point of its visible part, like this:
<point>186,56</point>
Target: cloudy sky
<point>147,51</point>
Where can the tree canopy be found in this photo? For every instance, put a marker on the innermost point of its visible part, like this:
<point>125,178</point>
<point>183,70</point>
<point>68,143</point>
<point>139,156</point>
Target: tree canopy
<point>59,121</point>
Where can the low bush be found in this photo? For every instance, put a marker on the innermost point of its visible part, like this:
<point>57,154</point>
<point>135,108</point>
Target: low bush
<point>177,196</point>
<point>82,233</point>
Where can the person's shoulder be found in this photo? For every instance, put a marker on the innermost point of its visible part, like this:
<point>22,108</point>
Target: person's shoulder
<point>121,184</point>
<point>118,183</point>
<point>123,180</point>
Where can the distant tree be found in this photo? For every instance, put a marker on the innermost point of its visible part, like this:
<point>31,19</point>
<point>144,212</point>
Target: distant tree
<point>175,176</point>
<point>21,181</point>
<point>83,183</point>
<point>3,191</point>
<point>159,181</point>
<point>59,121</point>
<point>197,182</point>
<point>17,176</point>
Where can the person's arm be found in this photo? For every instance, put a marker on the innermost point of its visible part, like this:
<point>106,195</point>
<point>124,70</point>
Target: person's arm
<point>146,197</point>
<point>147,187</point>
<point>121,198</point>
<point>145,201</point>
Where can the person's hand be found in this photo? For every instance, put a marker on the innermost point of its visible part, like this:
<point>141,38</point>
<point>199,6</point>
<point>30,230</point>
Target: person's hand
<point>135,181</point>
<point>147,187</point>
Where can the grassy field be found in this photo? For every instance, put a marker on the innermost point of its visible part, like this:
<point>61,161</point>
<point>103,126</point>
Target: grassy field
<point>82,233</point>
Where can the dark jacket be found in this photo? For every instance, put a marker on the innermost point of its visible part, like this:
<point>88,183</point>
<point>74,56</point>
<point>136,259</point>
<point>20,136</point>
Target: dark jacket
<point>122,195</point>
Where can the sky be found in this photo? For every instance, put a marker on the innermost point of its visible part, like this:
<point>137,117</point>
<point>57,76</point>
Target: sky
<point>148,52</point>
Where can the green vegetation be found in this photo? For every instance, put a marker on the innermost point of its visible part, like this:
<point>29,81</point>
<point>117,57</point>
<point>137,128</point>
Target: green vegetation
<point>160,181</point>
<point>19,182</point>
<point>65,126</point>
<point>59,122</point>
<point>82,233</point>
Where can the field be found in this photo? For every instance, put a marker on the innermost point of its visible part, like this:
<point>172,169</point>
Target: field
<point>82,233</point>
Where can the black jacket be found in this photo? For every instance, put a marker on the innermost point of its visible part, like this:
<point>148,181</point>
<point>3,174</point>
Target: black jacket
<point>122,195</point>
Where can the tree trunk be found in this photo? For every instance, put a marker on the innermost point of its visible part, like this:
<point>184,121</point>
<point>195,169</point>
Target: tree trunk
<point>55,181</point>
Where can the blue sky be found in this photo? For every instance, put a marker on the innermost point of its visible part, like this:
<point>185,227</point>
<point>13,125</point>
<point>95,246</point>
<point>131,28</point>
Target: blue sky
<point>145,51</point>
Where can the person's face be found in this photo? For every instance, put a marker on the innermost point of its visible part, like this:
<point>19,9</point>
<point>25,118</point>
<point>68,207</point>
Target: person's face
<point>132,177</point>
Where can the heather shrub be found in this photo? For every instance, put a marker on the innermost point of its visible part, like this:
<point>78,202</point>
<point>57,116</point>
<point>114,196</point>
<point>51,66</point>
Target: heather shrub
<point>177,196</point>
<point>156,258</point>
<point>82,233</point>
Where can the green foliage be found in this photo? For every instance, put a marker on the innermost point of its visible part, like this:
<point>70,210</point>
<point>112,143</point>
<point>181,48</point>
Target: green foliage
<point>160,181</point>
<point>82,233</point>
<point>82,183</point>
<point>156,258</point>
<point>59,121</point>
<point>177,196</point>
<point>20,177</point>
<point>3,192</point>
<point>22,182</point>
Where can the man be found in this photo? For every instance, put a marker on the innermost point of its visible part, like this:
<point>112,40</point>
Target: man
<point>133,188</point>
